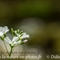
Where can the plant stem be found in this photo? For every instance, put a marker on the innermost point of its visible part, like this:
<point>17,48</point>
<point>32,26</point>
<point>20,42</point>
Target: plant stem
<point>6,47</point>
<point>10,52</point>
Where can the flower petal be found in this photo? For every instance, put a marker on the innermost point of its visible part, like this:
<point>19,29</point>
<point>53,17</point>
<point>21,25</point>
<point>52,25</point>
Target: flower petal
<point>1,34</point>
<point>14,39</point>
<point>25,41</point>
<point>5,29</point>
<point>8,40</point>
<point>25,36</point>
<point>17,33</point>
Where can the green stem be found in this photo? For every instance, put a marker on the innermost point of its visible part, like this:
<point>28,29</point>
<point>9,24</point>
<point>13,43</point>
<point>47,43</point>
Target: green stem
<point>12,48</point>
<point>10,52</point>
<point>6,47</point>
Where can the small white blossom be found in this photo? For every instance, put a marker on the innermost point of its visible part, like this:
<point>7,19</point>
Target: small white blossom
<point>3,30</point>
<point>17,34</point>
<point>25,41</point>
<point>24,36</point>
<point>12,42</point>
<point>15,38</point>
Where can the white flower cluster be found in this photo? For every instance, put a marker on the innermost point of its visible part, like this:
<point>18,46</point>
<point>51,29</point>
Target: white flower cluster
<point>18,36</point>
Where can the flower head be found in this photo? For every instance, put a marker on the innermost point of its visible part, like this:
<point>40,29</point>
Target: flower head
<point>25,41</point>
<point>20,34</point>
<point>17,40</point>
<point>24,35</point>
<point>3,30</point>
<point>13,41</point>
<point>19,37</point>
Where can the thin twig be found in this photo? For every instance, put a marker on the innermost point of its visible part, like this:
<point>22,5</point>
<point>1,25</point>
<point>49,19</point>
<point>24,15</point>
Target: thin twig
<point>6,47</point>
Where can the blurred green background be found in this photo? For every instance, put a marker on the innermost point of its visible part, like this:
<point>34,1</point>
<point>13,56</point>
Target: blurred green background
<point>39,18</point>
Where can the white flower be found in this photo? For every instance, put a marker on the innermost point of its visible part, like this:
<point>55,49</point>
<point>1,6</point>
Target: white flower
<point>12,42</point>
<point>18,39</point>
<point>15,38</point>
<point>25,41</point>
<point>3,30</point>
<point>17,34</point>
<point>24,36</point>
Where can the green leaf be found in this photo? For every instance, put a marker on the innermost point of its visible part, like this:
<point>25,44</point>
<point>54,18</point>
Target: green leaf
<point>18,31</point>
<point>12,30</point>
